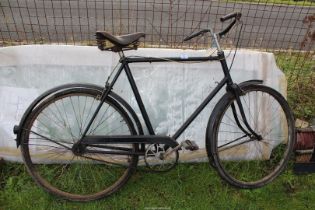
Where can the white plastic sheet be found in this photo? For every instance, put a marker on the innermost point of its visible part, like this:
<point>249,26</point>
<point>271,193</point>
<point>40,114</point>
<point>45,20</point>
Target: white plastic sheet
<point>170,91</point>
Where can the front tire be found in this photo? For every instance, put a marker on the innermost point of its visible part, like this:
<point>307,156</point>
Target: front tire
<point>243,160</point>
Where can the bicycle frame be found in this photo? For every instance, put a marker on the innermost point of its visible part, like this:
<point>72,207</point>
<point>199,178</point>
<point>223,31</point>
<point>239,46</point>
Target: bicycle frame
<point>152,138</point>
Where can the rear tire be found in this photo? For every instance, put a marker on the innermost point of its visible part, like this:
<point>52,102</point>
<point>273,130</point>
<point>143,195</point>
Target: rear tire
<point>244,161</point>
<point>55,125</point>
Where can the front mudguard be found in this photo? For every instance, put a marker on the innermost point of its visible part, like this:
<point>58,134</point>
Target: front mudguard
<point>250,82</point>
<point>17,128</point>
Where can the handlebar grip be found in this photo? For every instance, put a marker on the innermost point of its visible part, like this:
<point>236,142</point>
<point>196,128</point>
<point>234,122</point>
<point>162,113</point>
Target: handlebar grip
<point>196,34</point>
<point>236,15</point>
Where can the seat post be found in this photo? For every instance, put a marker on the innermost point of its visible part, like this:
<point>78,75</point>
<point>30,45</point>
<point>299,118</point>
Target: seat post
<point>121,54</point>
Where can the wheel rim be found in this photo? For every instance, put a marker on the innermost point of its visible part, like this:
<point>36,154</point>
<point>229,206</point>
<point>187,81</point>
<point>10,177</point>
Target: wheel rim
<point>246,160</point>
<point>48,138</point>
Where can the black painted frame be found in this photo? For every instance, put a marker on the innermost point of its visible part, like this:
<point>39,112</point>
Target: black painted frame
<point>152,138</point>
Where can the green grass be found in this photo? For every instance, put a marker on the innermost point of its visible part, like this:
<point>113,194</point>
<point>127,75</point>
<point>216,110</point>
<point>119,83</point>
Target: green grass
<point>299,69</point>
<point>194,186</point>
<point>280,2</point>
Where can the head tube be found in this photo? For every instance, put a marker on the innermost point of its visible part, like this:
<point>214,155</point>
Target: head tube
<point>215,43</point>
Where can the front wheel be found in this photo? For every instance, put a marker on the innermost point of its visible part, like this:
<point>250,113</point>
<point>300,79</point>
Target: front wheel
<point>56,124</point>
<point>242,159</point>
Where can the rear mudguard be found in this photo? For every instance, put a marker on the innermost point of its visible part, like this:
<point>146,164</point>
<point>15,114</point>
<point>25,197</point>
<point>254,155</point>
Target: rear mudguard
<point>17,128</point>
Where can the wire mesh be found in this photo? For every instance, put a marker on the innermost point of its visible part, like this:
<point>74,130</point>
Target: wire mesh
<point>269,25</point>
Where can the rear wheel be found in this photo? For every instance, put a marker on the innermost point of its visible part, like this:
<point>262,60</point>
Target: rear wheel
<point>52,129</point>
<point>242,159</point>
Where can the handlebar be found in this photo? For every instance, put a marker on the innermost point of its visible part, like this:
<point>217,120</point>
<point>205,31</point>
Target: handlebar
<point>236,15</point>
<point>196,34</point>
<point>227,29</point>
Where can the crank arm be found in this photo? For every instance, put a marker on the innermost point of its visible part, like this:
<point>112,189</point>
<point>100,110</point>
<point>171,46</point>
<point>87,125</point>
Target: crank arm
<point>171,150</point>
<point>187,144</point>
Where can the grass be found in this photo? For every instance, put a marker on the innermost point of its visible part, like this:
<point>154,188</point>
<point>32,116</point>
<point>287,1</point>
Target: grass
<point>193,186</point>
<point>299,69</point>
<point>280,2</point>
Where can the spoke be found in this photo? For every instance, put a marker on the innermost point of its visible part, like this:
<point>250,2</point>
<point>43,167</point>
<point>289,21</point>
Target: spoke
<point>258,147</point>
<point>64,122</point>
<point>92,131</point>
<point>38,128</point>
<point>53,113</point>
<point>65,167</point>
<point>40,139</point>
<point>86,121</point>
<point>80,128</point>
<point>249,140</point>
<point>51,120</point>
<point>250,114</point>
<point>115,130</point>
<point>233,141</point>
<point>64,110</point>
<point>100,121</point>
<point>83,113</point>
<point>44,137</point>
<point>229,132</point>
<point>103,161</point>
<point>54,138</point>
<point>234,126</point>
<point>46,145</point>
<point>75,115</point>
<point>270,140</point>
<point>272,120</point>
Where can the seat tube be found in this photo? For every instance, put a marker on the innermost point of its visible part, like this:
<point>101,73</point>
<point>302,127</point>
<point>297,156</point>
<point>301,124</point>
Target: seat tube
<point>138,98</point>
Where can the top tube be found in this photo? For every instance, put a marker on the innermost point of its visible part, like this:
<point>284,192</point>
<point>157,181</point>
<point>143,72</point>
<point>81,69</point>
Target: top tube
<point>140,59</point>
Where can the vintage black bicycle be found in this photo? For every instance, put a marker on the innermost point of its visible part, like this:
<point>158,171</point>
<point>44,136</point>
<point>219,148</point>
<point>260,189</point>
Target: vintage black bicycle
<point>83,142</point>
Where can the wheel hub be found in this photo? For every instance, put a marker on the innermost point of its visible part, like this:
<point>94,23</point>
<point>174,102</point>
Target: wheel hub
<point>78,149</point>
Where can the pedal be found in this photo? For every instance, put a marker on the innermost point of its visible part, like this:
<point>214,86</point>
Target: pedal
<point>190,145</point>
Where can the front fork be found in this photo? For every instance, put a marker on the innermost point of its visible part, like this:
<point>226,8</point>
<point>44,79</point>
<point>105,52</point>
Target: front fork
<point>237,92</point>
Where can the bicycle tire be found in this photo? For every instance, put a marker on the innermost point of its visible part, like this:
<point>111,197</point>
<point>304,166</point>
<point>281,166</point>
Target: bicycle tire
<point>246,162</point>
<point>62,173</point>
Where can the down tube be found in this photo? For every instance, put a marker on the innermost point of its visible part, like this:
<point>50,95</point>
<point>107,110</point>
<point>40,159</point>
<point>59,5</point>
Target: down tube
<point>200,108</point>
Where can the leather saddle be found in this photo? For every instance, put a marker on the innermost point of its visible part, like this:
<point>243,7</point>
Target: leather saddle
<point>119,43</point>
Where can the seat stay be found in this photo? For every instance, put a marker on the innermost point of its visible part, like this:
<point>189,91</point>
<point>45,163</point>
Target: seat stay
<point>105,93</point>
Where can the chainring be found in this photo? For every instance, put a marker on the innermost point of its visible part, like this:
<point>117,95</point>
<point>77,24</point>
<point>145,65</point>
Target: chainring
<point>154,158</point>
